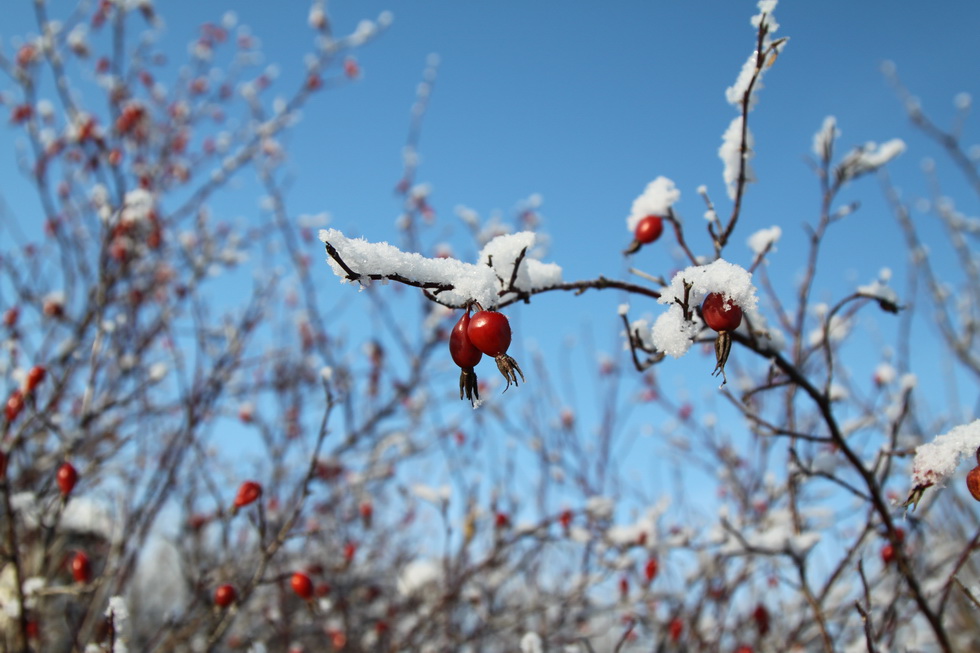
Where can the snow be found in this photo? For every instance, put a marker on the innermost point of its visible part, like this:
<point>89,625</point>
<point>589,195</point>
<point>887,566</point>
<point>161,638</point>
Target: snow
<point>823,140</point>
<point>730,154</point>
<point>763,239</point>
<point>436,495</point>
<point>870,156</point>
<point>656,199</point>
<point>454,282</point>
<point>673,334</point>
<point>737,91</point>
<point>531,643</point>
<point>878,290</point>
<point>418,575</point>
<point>599,507</point>
<point>936,461</point>
<point>766,8</point>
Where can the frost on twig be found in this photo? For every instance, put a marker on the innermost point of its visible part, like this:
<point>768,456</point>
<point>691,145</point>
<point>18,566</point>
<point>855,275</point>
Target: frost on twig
<point>503,269</point>
<point>937,460</point>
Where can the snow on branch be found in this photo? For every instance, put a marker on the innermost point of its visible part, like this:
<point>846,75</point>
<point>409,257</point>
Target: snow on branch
<point>936,461</point>
<point>503,269</point>
<point>868,158</point>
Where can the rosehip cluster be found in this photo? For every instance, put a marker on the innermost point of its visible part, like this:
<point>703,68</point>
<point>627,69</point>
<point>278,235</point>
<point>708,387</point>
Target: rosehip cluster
<point>486,332</point>
<point>647,231</point>
<point>724,316</point>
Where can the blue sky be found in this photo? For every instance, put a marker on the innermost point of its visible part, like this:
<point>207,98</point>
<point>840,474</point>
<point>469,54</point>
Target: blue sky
<point>584,103</point>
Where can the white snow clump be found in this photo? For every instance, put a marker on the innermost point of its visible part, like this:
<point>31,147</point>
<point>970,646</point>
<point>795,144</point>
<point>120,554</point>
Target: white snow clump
<point>937,460</point>
<point>764,238</point>
<point>656,199</point>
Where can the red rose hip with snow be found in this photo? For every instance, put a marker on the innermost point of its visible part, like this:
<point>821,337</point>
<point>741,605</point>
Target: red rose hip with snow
<point>489,331</point>
<point>721,314</point>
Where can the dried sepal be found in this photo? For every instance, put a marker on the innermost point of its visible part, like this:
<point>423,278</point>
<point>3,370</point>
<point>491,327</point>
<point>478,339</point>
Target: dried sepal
<point>510,369</point>
<point>723,347</point>
<point>468,386</point>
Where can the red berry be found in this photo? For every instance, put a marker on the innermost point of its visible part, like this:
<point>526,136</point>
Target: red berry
<point>81,568</point>
<point>66,478</point>
<point>761,617</point>
<point>650,571</point>
<point>35,377</point>
<point>460,348</point>
<point>302,585</point>
<point>675,628</point>
<point>10,316</point>
<point>350,550</point>
<point>15,404</point>
<point>973,482</point>
<point>721,314</point>
<point>224,596</point>
<point>248,492</point>
<point>888,554</point>
<point>649,229</point>
<point>489,331</point>
<point>501,520</point>
<point>565,518</point>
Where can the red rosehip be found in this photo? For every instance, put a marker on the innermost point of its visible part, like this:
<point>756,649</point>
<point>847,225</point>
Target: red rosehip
<point>973,482</point>
<point>565,519</point>
<point>350,550</point>
<point>15,404</point>
<point>351,69</point>
<point>648,230</point>
<point>721,314</point>
<point>501,520</point>
<point>248,492</point>
<point>888,554</point>
<point>651,569</point>
<point>464,353</point>
<point>66,478</point>
<point>34,378</point>
<point>302,585</point>
<point>224,595</point>
<point>81,568</point>
<point>10,317</point>
<point>761,617</point>
<point>489,331</point>
<point>675,629</point>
